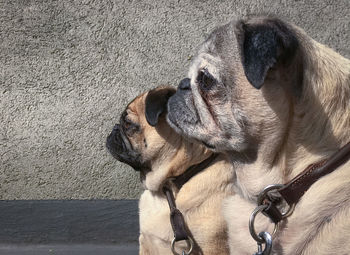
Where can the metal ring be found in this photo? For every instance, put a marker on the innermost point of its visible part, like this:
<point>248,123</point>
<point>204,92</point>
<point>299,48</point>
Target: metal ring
<point>267,189</point>
<point>289,211</point>
<point>257,238</point>
<point>262,196</point>
<point>190,244</point>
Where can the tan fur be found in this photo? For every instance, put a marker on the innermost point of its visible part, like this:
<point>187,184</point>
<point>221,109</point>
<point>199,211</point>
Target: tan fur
<point>200,199</point>
<point>300,115</point>
<point>200,202</point>
<point>317,126</point>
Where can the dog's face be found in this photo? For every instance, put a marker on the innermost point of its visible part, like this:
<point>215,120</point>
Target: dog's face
<point>221,103</point>
<point>144,140</point>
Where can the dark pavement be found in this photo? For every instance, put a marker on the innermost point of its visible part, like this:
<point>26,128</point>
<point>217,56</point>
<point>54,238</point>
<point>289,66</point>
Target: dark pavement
<point>76,249</point>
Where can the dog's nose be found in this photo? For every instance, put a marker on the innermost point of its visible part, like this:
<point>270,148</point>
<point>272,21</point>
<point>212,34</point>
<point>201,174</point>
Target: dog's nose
<point>185,84</point>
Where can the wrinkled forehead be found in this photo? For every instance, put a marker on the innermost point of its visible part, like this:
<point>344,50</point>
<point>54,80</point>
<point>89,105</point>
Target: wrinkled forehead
<point>136,106</point>
<point>204,61</point>
<point>220,47</point>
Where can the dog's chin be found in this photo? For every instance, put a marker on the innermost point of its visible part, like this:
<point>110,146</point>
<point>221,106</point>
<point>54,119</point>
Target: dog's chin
<point>174,125</point>
<point>183,131</point>
<point>143,175</point>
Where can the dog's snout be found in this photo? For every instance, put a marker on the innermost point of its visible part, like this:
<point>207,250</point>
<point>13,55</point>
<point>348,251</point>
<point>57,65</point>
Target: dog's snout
<point>185,84</point>
<point>112,139</point>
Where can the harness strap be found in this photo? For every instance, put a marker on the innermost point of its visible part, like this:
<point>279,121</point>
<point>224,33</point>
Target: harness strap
<point>291,192</point>
<point>295,189</point>
<point>180,180</point>
<point>176,218</point>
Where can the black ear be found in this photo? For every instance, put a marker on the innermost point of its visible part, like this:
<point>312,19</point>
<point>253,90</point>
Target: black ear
<point>156,103</point>
<point>263,44</point>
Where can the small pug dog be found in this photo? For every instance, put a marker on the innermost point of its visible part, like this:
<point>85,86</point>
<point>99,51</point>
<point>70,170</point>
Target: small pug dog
<point>144,140</point>
<point>274,100</point>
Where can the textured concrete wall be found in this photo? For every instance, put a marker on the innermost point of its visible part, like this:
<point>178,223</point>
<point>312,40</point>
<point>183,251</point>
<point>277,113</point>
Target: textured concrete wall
<point>68,68</point>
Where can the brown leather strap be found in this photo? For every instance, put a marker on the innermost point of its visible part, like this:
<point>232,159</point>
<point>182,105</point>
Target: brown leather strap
<point>295,189</point>
<point>176,218</point>
<point>292,191</point>
<point>272,212</point>
<point>180,180</point>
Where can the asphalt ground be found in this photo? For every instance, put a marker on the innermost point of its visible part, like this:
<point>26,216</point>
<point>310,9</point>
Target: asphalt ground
<point>75,249</point>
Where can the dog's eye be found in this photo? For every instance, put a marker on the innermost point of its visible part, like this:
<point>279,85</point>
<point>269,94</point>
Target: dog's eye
<point>130,127</point>
<point>205,80</point>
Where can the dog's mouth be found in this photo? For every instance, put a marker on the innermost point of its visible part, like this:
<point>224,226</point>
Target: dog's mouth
<point>209,146</point>
<point>121,149</point>
<point>181,114</point>
<point>182,132</point>
<point>173,123</point>
<point>184,118</point>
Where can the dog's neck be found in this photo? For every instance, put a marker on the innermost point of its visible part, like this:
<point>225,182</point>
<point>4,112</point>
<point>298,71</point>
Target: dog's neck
<point>215,179</point>
<point>192,171</point>
<point>319,123</point>
<point>321,117</point>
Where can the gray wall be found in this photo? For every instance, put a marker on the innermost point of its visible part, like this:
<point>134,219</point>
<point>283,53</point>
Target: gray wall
<point>68,68</point>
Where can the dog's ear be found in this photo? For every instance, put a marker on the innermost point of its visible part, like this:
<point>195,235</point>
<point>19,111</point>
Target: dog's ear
<point>156,103</point>
<point>263,43</point>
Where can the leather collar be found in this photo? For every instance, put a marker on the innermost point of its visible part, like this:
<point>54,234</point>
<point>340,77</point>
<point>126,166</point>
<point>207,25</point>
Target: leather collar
<point>176,218</point>
<point>180,180</point>
<point>293,190</point>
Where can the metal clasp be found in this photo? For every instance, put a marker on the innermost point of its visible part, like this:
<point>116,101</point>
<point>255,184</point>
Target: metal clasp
<point>268,244</point>
<point>265,199</point>
<point>190,244</point>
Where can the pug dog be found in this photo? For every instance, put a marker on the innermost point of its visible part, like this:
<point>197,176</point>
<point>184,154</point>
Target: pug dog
<point>144,140</point>
<point>274,100</point>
